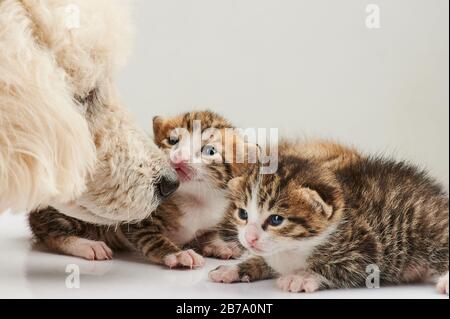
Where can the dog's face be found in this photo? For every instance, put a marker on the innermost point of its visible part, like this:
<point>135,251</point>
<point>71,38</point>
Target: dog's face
<point>132,177</point>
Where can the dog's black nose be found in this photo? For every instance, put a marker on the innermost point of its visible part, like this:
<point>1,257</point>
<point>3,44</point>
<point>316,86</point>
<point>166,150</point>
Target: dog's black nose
<point>168,185</point>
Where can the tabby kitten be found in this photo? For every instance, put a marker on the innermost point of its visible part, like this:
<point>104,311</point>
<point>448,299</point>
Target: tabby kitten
<point>189,217</point>
<point>314,225</point>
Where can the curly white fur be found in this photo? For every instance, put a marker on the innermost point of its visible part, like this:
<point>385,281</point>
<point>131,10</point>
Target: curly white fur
<point>47,152</point>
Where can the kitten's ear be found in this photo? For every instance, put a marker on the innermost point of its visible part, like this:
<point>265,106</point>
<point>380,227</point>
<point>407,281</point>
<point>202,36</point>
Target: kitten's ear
<point>157,125</point>
<point>235,183</point>
<point>157,121</point>
<point>250,160</point>
<point>253,153</point>
<point>316,201</point>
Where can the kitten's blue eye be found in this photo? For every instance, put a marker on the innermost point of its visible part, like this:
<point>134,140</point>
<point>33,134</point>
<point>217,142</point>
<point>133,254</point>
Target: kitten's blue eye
<point>243,214</point>
<point>173,140</point>
<point>275,220</point>
<point>209,150</point>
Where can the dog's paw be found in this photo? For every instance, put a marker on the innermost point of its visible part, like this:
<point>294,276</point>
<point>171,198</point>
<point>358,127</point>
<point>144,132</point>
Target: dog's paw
<point>221,250</point>
<point>88,249</point>
<point>184,259</point>
<point>442,285</point>
<point>303,282</point>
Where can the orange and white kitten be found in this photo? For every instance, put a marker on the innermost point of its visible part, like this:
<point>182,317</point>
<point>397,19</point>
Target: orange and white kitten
<point>188,219</point>
<point>191,215</point>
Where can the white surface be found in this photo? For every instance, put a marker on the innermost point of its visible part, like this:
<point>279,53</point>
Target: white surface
<point>306,67</point>
<point>28,273</point>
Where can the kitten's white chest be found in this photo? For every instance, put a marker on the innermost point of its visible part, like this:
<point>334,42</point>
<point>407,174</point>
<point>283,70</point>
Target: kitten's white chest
<point>199,212</point>
<point>293,260</point>
<point>288,262</point>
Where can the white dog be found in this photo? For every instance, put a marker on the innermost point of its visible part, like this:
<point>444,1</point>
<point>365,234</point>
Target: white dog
<point>65,140</point>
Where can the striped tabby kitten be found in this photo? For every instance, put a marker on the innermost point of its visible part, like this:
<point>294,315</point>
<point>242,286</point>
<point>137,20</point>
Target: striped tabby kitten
<point>188,218</point>
<point>314,225</point>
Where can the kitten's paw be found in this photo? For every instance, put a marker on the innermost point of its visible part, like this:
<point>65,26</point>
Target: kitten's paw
<point>299,283</point>
<point>442,285</point>
<point>187,258</point>
<point>88,249</point>
<point>221,250</point>
<point>225,274</point>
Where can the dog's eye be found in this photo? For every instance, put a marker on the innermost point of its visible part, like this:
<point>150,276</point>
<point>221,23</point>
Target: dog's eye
<point>242,213</point>
<point>275,220</point>
<point>209,150</point>
<point>173,140</point>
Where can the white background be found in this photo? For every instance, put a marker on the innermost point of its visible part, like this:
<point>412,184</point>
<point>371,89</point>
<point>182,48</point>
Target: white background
<point>308,67</point>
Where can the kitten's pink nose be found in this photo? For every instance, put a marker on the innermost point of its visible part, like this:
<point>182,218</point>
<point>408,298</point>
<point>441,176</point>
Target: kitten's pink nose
<point>251,235</point>
<point>179,157</point>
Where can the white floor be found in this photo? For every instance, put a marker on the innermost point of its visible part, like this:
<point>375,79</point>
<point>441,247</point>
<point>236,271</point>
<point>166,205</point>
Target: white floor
<point>29,273</point>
